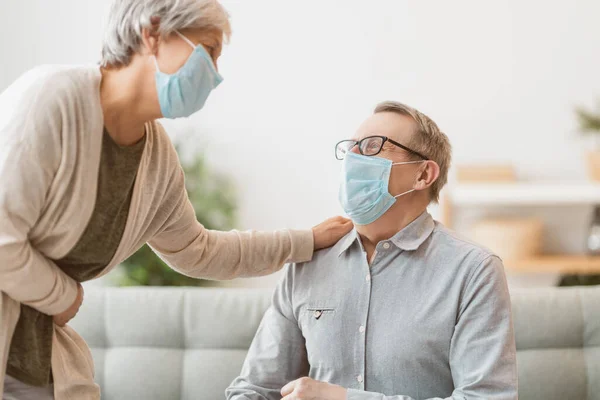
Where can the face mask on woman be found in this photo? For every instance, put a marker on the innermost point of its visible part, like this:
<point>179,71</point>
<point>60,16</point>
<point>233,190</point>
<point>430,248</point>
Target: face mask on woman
<point>183,93</point>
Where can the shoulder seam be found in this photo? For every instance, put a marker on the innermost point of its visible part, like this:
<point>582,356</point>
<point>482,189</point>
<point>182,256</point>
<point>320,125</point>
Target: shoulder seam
<point>486,252</point>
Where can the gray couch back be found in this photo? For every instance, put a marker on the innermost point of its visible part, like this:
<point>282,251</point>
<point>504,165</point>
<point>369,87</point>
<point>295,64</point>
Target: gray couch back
<point>167,343</point>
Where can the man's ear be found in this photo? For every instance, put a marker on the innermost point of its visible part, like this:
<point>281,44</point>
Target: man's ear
<point>151,36</point>
<point>428,174</point>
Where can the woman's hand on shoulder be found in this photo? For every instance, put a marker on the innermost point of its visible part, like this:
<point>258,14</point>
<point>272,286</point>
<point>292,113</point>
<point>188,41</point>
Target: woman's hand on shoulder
<point>329,232</point>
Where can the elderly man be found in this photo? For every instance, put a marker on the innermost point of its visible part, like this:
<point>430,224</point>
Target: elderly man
<point>401,308</point>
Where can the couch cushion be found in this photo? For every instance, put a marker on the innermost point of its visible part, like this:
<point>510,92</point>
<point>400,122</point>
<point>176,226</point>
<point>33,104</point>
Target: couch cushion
<point>190,343</point>
<point>557,334</point>
<point>167,343</point>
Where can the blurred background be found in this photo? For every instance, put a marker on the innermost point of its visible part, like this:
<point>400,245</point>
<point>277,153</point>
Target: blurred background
<point>514,84</point>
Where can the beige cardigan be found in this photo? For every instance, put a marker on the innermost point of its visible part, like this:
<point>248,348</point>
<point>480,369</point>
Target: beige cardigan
<point>51,126</point>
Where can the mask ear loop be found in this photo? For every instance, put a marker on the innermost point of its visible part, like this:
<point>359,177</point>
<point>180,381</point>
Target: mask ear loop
<point>404,163</point>
<point>188,41</point>
<point>402,194</point>
<point>408,162</point>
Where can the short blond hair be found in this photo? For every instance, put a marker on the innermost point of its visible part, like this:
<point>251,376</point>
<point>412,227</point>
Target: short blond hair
<point>427,139</point>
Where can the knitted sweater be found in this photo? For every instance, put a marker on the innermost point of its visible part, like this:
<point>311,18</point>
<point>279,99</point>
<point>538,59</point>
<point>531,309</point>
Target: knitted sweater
<point>51,128</point>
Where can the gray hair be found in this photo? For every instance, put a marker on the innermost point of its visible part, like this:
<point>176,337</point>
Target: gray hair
<point>127,18</point>
<point>427,139</point>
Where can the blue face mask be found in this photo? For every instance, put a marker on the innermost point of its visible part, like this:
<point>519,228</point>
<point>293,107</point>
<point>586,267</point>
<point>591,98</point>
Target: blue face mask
<point>185,92</point>
<point>364,194</point>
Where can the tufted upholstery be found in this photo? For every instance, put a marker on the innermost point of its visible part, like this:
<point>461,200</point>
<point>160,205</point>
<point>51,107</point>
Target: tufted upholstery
<point>558,343</point>
<point>166,343</point>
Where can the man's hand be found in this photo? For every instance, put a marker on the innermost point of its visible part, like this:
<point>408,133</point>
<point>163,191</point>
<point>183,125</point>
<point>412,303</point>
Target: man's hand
<point>309,389</point>
<point>67,315</point>
<point>328,233</point>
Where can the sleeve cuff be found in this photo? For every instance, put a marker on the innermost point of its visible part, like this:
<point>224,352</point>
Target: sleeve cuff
<point>66,300</point>
<point>303,246</point>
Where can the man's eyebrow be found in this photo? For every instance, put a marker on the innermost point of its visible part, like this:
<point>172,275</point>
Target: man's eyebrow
<point>391,147</point>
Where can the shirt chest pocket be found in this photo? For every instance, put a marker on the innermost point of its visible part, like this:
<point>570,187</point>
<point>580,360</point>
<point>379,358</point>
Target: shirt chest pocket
<point>322,329</point>
<point>318,312</point>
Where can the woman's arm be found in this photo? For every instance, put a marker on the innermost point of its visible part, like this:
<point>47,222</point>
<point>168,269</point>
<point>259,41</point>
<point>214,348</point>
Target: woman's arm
<point>191,249</point>
<point>30,152</point>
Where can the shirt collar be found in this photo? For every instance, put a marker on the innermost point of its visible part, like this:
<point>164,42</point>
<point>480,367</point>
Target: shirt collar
<point>347,241</point>
<point>415,233</point>
<point>409,238</point>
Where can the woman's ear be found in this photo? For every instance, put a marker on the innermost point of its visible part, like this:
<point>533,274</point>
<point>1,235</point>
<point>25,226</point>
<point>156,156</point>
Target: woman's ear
<point>151,36</point>
<point>427,175</point>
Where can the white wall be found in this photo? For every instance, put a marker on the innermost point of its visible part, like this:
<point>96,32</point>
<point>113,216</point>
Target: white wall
<point>501,78</point>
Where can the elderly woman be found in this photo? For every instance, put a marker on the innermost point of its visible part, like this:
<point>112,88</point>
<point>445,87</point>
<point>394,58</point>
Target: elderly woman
<point>88,176</point>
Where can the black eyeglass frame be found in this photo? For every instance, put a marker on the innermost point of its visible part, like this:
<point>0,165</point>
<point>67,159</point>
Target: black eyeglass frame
<point>384,139</point>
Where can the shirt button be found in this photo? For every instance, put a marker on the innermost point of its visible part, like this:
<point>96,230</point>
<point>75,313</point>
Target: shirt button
<point>368,278</point>
<point>359,378</point>
<point>361,329</point>
<point>386,245</point>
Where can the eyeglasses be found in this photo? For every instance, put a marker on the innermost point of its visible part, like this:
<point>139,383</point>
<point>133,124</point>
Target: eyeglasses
<point>369,146</point>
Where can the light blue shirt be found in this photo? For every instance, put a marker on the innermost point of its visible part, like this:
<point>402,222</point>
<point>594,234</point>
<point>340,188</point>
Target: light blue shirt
<point>430,318</point>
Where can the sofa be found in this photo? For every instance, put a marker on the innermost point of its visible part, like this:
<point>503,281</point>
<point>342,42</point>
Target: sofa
<point>189,343</point>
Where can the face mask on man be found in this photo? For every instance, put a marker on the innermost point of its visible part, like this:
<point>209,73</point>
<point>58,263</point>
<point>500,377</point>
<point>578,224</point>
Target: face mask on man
<point>364,193</point>
<point>183,93</point>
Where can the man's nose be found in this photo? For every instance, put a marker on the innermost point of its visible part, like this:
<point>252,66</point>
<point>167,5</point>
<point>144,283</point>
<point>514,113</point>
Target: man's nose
<point>355,149</point>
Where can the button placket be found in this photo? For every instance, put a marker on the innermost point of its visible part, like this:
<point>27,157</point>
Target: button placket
<point>361,336</point>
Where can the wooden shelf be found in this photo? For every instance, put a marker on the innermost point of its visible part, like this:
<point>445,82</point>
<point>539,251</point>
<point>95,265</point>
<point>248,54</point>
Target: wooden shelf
<point>529,194</point>
<point>566,264</point>
<point>523,193</point>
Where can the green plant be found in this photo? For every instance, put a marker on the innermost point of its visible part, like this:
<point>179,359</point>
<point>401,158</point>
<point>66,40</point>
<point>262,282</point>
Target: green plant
<point>589,121</point>
<point>214,200</point>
